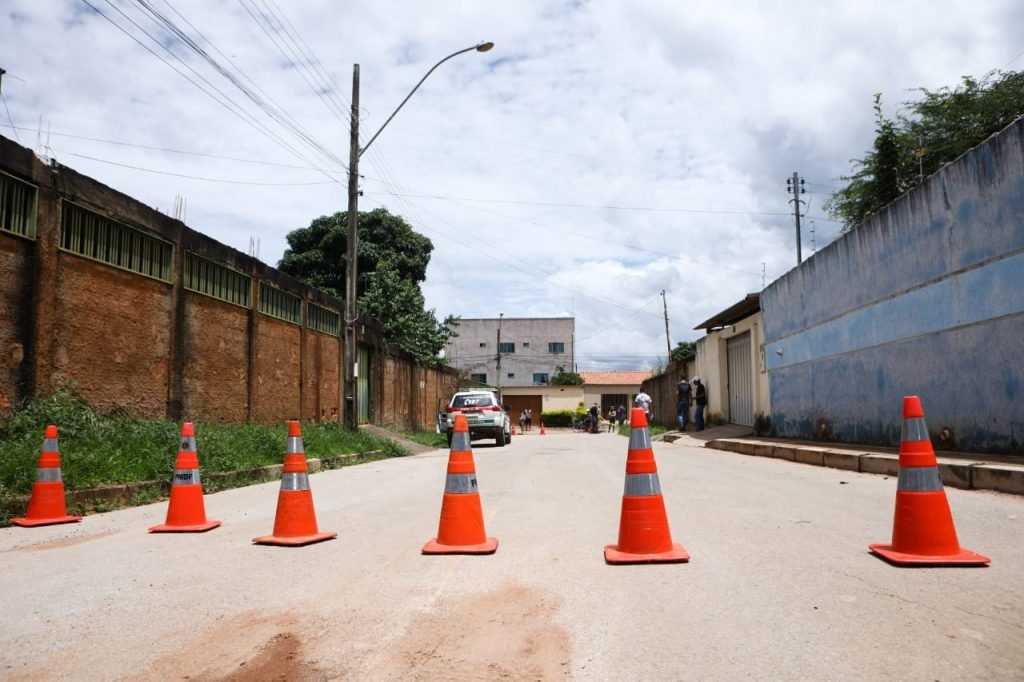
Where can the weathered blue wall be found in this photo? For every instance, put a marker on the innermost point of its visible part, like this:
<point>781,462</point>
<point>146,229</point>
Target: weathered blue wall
<point>925,298</point>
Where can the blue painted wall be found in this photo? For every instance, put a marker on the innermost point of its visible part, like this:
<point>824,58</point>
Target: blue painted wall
<point>925,298</point>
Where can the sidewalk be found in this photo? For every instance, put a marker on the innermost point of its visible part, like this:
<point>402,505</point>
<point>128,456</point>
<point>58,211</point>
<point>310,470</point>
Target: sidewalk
<point>970,471</point>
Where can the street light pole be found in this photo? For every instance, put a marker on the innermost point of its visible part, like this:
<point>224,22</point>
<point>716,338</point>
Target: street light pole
<point>497,378</point>
<point>351,379</point>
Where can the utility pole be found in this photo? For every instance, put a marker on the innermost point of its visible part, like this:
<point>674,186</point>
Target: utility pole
<point>352,251</point>
<point>668,344</point>
<point>497,380</point>
<point>795,186</point>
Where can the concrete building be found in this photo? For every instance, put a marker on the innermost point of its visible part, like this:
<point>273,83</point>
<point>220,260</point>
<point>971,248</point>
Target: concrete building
<point>530,351</point>
<point>611,389</point>
<point>731,364</point>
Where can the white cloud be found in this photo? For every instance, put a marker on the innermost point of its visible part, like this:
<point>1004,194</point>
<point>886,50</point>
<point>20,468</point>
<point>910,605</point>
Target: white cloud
<point>583,114</point>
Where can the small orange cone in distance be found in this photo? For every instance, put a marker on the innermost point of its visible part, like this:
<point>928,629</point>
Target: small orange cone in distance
<point>461,529</point>
<point>644,536</point>
<point>542,432</point>
<point>186,512</point>
<point>47,505</point>
<point>923,531</point>
<point>295,524</point>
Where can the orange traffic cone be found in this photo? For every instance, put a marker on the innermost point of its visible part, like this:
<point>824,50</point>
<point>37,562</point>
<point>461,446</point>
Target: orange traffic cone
<point>922,531</point>
<point>542,432</point>
<point>643,527</point>
<point>47,505</point>
<point>295,524</point>
<point>461,530</point>
<point>513,432</point>
<point>186,512</point>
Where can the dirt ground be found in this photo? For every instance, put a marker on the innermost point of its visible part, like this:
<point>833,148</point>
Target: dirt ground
<point>508,634</point>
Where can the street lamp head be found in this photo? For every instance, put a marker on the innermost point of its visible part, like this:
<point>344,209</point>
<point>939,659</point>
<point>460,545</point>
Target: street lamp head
<point>484,47</point>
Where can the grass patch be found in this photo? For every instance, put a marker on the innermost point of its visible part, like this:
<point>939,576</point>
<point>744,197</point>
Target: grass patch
<point>428,438</point>
<point>99,450</point>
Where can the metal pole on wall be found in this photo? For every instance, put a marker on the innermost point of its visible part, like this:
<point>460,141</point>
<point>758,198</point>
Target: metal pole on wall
<point>352,236</point>
<point>351,273</point>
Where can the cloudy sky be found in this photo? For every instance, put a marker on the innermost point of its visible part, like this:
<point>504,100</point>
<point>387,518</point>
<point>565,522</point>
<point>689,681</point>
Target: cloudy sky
<point>601,153</point>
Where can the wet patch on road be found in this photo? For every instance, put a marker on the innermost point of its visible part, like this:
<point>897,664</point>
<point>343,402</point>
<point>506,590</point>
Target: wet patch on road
<point>64,542</point>
<point>507,634</point>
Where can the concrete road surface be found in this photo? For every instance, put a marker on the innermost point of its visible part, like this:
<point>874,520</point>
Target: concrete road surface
<point>780,586</point>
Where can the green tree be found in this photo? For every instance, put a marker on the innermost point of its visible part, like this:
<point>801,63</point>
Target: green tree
<point>392,263</point>
<point>880,176</point>
<point>563,378</point>
<point>934,130</point>
<point>684,351</point>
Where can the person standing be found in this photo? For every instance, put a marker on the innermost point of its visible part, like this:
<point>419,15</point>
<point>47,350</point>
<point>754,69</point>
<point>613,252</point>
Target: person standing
<point>612,416</point>
<point>529,418</point>
<point>621,414</point>
<point>682,401</point>
<point>700,398</point>
<point>595,419</point>
<point>644,402</point>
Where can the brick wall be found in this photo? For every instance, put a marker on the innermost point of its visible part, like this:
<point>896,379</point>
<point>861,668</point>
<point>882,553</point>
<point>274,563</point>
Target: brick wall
<point>15,319</point>
<point>114,337</point>
<point>216,377</point>
<point>156,350</point>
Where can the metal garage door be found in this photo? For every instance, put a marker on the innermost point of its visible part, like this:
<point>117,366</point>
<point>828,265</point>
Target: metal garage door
<point>741,380</point>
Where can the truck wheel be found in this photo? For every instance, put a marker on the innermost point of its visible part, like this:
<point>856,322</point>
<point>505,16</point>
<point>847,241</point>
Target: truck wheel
<point>500,439</point>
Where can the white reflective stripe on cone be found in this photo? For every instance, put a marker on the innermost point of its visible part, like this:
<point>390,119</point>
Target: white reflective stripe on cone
<point>640,439</point>
<point>460,483</point>
<point>188,444</point>
<point>186,477</point>
<point>50,445</point>
<point>639,485</point>
<point>460,441</point>
<point>295,482</point>
<point>919,479</point>
<point>914,429</point>
<point>48,475</point>
<point>295,445</point>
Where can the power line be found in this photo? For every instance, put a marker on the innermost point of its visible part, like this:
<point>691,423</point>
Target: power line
<point>2,99</point>
<point>596,206</point>
<point>262,101</point>
<point>182,151</point>
<point>227,102</point>
<point>194,177</point>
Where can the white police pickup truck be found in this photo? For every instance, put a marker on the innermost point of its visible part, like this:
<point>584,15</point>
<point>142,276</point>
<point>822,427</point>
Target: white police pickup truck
<point>484,413</point>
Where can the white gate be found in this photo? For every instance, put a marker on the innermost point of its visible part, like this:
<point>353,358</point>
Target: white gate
<point>741,380</point>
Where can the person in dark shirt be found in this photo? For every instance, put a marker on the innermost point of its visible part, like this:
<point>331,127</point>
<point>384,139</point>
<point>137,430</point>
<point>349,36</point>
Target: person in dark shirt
<point>700,399</point>
<point>595,419</point>
<point>682,402</point>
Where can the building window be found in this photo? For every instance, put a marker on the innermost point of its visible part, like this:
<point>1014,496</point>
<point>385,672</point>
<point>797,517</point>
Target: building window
<point>206,277</point>
<point>323,320</point>
<point>507,347</point>
<point>479,378</point>
<point>540,378</point>
<point>556,346</point>
<point>483,344</point>
<point>277,303</point>
<point>94,236</point>
<point>17,207</point>
<point>526,344</point>
<point>511,375</point>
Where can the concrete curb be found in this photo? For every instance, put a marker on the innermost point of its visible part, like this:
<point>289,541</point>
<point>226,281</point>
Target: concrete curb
<point>125,495</point>
<point>956,473</point>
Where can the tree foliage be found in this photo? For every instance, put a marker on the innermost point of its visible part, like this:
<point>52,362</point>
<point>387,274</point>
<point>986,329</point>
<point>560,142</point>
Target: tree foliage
<point>932,131</point>
<point>684,351</point>
<point>563,378</point>
<point>392,261</point>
